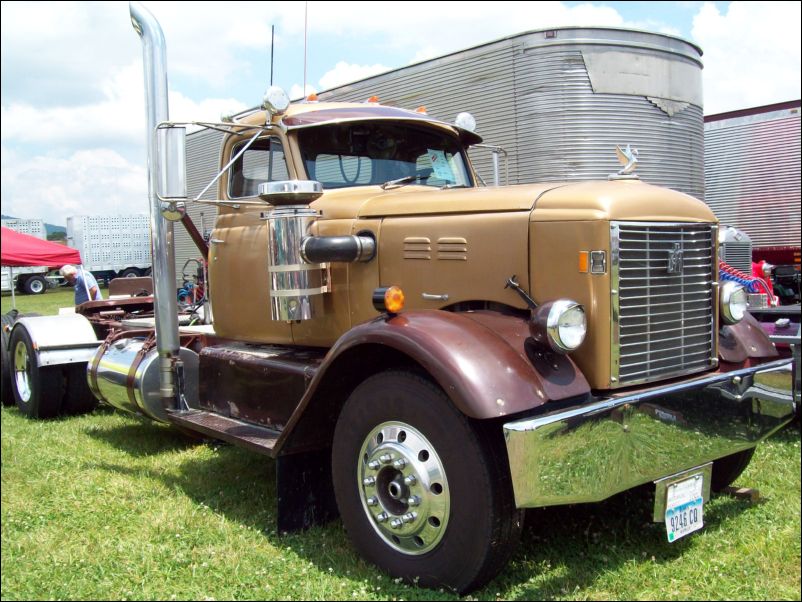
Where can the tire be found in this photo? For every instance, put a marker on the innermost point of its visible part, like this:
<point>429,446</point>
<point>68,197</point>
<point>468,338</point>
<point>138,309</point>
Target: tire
<point>729,468</point>
<point>78,397</point>
<point>5,360</point>
<point>130,273</point>
<point>456,524</point>
<point>35,285</point>
<point>37,390</point>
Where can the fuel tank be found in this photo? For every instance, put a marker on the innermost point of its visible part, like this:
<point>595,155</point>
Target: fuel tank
<point>125,374</point>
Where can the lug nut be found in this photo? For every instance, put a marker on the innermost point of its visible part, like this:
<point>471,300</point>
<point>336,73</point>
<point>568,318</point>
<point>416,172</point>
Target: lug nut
<point>396,523</point>
<point>410,480</point>
<point>382,516</point>
<point>399,464</point>
<point>372,501</point>
<point>374,465</point>
<point>386,458</point>
<point>409,517</point>
<point>369,481</point>
<point>414,501</point>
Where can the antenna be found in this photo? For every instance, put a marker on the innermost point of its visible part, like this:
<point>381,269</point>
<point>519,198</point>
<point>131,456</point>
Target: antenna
<point>272,39</point>
<point>306,11</point>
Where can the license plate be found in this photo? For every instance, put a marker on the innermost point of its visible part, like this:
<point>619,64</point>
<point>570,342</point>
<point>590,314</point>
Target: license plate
<point>684,505</point>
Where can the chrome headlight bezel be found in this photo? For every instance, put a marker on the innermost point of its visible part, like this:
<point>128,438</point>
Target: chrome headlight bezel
<point>733,302</point>
<point>561,324</point>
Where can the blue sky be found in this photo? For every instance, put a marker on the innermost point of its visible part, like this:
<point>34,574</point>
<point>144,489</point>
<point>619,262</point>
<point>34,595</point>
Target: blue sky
<point>72,98</point>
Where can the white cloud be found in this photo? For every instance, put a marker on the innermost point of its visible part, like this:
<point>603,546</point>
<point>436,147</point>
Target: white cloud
<point>118,118</point>
<point>344,73</point>
<point>751,54</point>
<point>88,182</point>
<point>297,91</point>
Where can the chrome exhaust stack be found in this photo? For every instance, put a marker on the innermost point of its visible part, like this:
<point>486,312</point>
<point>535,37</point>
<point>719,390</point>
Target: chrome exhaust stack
<point>165,301</point>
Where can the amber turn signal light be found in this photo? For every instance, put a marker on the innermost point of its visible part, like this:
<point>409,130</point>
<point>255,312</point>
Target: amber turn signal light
<point>388,299</point>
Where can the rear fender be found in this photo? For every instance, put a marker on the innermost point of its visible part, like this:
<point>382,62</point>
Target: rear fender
<point>63,339</point>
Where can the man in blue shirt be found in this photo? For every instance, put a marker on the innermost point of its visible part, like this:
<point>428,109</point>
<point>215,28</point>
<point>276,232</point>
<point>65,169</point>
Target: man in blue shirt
<point>83,282</point>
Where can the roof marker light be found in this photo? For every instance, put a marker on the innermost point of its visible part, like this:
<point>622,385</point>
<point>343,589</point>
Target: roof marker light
<point>373,100</point>
<point>422,110</point>
<point>466,121</point>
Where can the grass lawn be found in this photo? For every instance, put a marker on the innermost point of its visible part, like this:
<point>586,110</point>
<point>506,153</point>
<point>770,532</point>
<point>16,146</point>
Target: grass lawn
<point>108,506</point>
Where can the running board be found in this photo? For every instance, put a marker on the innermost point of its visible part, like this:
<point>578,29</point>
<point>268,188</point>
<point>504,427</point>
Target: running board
<point>256,438</point>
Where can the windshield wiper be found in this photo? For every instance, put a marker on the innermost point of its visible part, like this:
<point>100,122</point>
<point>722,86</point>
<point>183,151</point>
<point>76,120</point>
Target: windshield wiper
<point>399,182</point>
<point>447,186</point>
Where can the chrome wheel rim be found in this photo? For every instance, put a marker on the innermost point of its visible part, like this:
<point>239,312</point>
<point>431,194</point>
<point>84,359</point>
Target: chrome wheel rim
<point>22,368</point>
<point>37,286</point>
<point>403,488</point>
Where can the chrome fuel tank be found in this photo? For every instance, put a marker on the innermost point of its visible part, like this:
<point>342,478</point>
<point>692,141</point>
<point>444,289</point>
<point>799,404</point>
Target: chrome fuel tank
<point>126,376</point>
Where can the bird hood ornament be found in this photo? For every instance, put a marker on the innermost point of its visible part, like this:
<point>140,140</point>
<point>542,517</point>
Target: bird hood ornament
<point>628,157</point>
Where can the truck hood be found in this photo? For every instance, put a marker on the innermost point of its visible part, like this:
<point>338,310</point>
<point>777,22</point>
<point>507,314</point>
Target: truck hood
<point>629,200</point>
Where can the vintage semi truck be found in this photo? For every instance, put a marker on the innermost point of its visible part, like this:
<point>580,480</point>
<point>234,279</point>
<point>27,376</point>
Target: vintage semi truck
<point>422,355</point>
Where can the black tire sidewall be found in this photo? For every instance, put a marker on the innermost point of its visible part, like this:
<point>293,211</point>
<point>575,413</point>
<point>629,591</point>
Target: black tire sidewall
<point>462,553</point>
<point>46,384</point>
<point>29,285</point>
<point>78,397</point>
<point>729,468</point>
<point>5,363</point>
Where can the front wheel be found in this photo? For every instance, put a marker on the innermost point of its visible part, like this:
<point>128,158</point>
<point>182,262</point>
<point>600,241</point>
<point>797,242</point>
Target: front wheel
<point>423,491</point>
<point>729,468</point>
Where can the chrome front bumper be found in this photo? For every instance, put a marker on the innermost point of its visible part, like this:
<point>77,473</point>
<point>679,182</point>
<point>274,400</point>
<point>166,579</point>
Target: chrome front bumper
<point>589,453</point>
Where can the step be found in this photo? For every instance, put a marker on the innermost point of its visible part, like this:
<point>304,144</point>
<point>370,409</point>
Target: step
<point>256,438</point>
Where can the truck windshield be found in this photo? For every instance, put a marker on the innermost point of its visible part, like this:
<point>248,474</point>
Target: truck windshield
<point>362,154</point>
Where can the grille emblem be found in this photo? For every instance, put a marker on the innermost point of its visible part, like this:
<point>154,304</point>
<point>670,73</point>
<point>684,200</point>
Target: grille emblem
<point>675,260</point>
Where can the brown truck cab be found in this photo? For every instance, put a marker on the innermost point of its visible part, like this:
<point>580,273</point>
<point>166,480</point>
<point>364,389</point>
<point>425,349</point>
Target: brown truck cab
<point>427,356</point>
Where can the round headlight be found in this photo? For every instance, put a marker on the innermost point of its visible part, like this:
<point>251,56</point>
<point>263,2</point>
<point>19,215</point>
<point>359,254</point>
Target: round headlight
<point>559,324</point>
<point>733,302</point>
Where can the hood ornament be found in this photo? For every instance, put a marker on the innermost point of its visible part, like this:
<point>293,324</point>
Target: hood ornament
<point>628,157</point>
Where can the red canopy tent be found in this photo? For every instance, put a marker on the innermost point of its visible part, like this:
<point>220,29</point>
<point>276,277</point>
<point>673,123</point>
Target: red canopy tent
<point>21,250</point>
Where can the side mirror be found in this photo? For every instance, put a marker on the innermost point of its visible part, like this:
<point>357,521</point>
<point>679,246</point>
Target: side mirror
<point>171,142</point>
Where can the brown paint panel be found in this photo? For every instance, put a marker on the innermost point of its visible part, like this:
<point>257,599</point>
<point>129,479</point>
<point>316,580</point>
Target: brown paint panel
<point>479,359</point>
<point>262,385</point>
<point>743,340</point>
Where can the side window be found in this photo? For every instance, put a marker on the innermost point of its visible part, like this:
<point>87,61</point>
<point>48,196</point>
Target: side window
<point>263,162</point>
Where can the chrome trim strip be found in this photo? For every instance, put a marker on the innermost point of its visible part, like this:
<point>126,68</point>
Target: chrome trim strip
<point>591,452</point>
<point>299,292</point>
<point>615,318</point>
<point>295,267</point>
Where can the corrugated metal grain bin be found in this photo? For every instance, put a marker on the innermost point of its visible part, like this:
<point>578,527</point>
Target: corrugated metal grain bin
<point>752,172</point>
<point>560,100</point>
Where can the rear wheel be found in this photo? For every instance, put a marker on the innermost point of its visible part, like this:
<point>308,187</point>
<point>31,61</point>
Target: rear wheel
<point>5,361</point>
<point>35,285</point>
<point>78,397</point>
<point>729,468</point>
<point>423,491</point>
<point>37,390</point>
<point>130,273</point>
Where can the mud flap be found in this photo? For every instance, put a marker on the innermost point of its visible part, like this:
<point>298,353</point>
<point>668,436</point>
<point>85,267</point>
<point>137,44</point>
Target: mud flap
<point>305,493</point>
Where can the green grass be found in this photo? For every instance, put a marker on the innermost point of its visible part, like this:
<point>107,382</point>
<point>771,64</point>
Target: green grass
<point>108,506</point>
<point>45,304</point>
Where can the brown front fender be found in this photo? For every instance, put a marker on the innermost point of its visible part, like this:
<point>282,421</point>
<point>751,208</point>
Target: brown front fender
<point>484,361</point>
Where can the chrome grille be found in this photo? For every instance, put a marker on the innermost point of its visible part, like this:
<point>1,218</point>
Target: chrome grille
<point>663,280</point>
